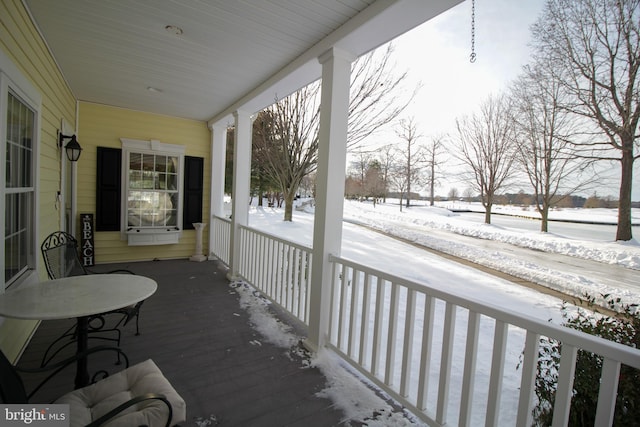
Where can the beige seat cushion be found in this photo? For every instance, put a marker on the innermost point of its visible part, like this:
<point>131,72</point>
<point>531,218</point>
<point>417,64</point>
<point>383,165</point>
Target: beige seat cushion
<point>88,403</point>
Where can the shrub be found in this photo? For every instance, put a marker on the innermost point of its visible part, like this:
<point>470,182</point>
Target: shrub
<point>624,329</point>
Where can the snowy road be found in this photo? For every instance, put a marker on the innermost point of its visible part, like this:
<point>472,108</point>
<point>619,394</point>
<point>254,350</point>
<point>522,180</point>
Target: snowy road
<point>593,267</point>
<point>589,232</point>
<point>548,269</point>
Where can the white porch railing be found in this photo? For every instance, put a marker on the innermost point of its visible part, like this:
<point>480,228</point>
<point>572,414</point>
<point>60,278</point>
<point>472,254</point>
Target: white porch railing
<point>220,238</point>
<point>413,341</point>
<point>425,347</point>
<point>280,269</point>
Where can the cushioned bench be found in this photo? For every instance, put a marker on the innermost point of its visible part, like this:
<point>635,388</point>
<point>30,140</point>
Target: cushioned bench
<point>94,401</point>
<point>137,396</point>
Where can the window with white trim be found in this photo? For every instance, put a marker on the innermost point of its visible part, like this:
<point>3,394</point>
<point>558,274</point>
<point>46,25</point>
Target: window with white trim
<point>19,191</point>
<point>152,191</point>
<point>20,104</point>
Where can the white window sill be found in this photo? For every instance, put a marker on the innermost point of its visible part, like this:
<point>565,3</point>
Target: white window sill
<point>147,237</point>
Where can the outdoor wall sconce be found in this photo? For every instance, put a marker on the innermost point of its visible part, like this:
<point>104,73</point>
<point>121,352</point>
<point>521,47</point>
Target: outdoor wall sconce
<point>73,149</point>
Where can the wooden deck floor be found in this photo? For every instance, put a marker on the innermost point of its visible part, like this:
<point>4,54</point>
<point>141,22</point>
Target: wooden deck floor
<point>196,332</point>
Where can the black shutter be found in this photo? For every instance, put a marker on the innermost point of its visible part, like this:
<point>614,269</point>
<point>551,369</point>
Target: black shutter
<point>193,176</point>
<point>108,181</point>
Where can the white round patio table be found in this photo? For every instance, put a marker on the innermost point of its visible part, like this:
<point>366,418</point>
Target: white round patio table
<point>76,297</point>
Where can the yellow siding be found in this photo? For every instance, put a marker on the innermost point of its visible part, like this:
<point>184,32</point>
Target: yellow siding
<point>103,126</point>
<point>21,42</point>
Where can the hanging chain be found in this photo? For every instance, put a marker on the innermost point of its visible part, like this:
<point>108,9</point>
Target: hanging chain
<point>472,57</point>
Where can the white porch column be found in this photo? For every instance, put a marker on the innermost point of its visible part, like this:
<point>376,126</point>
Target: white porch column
<point>240,187</point>
<point>330,176</point>
<point>218,156</point>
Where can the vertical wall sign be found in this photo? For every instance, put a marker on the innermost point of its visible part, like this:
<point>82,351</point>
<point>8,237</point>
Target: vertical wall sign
<point>86,242</point>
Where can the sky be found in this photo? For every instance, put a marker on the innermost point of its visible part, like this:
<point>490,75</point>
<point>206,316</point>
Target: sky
<point>436,54</point>
<point>438,227</point>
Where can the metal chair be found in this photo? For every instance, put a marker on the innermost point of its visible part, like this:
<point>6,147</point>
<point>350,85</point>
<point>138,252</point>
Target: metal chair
<point>137,395</point>
<point>61,258</point>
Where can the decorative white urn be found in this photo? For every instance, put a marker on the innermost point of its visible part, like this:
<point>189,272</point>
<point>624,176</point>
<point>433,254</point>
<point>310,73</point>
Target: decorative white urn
<point>198,256</point>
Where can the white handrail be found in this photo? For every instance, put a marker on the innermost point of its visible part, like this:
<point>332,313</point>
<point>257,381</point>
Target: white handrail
<point>396,345</point>
<point>221,238</point>
<point>280,269</point>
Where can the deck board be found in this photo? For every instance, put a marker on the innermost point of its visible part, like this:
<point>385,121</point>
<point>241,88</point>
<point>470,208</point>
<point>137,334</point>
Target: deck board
<point>195,331</point>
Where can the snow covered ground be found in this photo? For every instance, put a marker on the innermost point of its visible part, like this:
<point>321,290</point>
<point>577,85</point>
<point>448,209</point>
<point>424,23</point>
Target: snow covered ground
<point>439,218</point>
<point>569,265</point>
<point>505,249</point>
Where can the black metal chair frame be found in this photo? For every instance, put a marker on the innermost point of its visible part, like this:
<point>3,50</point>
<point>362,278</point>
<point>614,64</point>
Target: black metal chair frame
<point>60,253</point>
<point>12,390</point>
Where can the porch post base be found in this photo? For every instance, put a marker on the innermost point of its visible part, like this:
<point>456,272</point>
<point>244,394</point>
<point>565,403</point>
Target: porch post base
<point>311,347</point>
<point>232,277</point>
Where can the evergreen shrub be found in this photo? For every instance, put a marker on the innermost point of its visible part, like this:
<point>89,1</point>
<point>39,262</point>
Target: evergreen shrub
<point>623,328</point>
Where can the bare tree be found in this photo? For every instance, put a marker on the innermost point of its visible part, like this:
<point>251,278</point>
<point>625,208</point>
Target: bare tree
<point>594,45</point>
<point>288,135</point>
<point>453,194</point>
<point>377,96</point>
<point>359,166</point>
<point>544,129</point>
<point>412,154</point>
<point>468,194</point>
<point>366,179</point>
<point>374,185</point>
<point>398,179</point>
<point>286,139</point>
<point>433,149</point>
<point>485,147</point>
<point>386,159</point>
<point>308,185</point>
<point>352,187</point>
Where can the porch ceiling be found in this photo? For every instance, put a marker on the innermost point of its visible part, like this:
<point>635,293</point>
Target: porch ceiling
<point>232,54</point>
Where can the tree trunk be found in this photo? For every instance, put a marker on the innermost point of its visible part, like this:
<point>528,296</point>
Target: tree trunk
<point>260,190</point>
<point>289,197</point>
<point>624,207</point>
<point>544,226</point>
<point>432,186</point>
<point>408,192</point>
<point>487,212</point>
